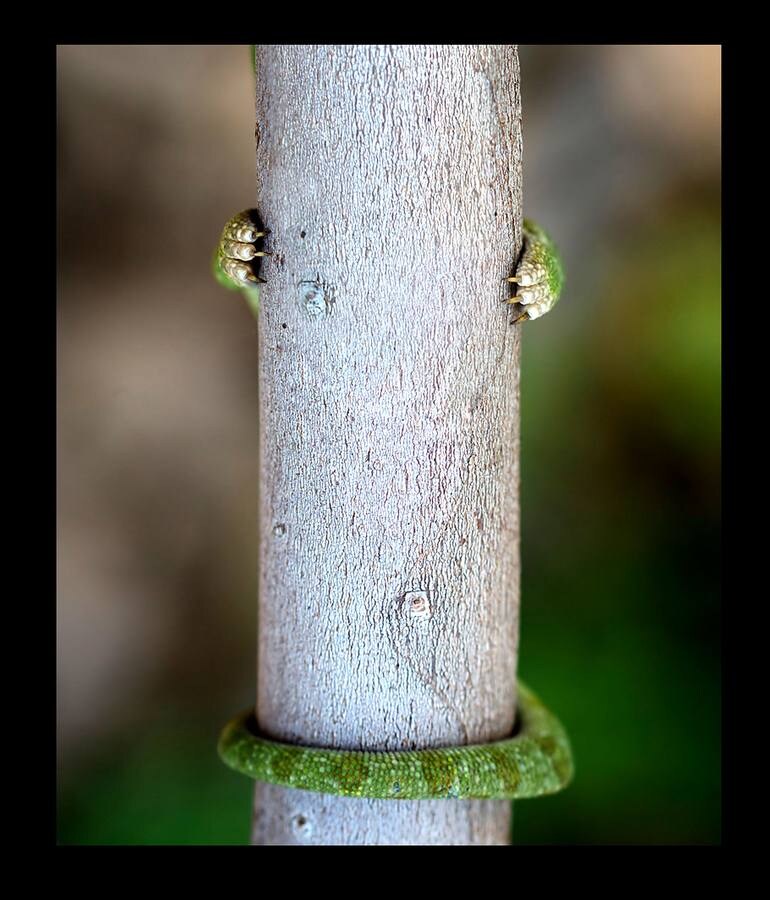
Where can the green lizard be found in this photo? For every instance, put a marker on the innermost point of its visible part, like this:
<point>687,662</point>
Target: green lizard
<point>536,759</point>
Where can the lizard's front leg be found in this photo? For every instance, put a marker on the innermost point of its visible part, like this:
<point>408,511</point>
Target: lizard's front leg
<point>539,275</point>
<point>238,256</point>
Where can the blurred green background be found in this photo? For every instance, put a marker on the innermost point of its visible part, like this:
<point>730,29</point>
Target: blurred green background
<point>157,442</point>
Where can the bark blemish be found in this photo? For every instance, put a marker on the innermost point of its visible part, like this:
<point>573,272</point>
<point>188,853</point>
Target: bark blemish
<point>316,298</point>
<point>302,827</point>
<point>416,605</point>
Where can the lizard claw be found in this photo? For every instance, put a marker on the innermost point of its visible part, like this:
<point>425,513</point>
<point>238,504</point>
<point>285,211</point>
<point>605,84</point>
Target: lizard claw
<point>539,276</point>
<point>238,255</point>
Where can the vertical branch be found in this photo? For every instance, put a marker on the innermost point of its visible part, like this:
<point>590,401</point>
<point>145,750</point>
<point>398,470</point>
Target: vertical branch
<point>389,423</point>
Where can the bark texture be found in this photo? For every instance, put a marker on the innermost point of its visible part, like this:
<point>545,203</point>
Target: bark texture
<point>390,178</point>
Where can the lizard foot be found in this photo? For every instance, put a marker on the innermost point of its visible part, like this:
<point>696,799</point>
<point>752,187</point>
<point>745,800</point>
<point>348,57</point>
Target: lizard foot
<point>539,275</point>
<point>238,255</point>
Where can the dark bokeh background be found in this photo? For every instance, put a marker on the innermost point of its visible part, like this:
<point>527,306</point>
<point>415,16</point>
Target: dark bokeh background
<point>157,442</point>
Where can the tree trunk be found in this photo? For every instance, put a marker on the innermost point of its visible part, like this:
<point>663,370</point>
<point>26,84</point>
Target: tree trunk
<point>390,178</point>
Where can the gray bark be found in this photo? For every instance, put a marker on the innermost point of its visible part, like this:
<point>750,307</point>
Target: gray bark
<point>390,178</point>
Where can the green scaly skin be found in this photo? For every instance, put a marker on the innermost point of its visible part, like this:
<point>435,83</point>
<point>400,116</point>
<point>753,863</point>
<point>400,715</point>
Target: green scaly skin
<point>535,761</point>
<point>238,254</point>
<point>539,275</point>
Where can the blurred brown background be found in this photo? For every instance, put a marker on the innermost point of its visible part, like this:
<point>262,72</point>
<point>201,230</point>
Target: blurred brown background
<point>157,441</point>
